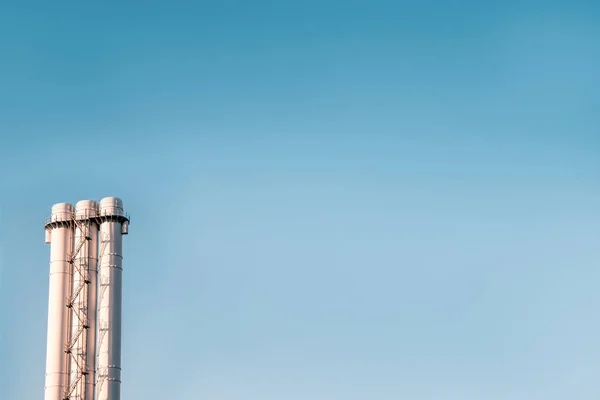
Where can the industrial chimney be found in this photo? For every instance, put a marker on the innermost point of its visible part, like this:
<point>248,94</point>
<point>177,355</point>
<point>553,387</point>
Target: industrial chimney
<point>83,360</point>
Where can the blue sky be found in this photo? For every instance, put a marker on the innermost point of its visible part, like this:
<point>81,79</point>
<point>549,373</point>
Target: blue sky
<point>358,200</point>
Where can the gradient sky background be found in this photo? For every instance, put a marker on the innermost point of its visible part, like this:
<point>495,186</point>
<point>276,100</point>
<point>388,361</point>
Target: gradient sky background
<point>330,199</point>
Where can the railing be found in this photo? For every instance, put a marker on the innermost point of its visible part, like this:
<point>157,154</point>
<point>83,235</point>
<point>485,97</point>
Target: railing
<point>66,217</point>
<point>60,217</point>
<point>113,212</point>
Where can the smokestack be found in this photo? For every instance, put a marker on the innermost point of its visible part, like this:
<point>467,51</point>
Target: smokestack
<point>83,327</point>
<point>83,359</point>
<point>59,234</point>
<point>113,224</point>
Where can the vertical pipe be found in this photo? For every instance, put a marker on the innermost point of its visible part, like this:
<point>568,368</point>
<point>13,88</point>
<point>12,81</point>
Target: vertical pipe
<point>92,310</point>
<point>78,311</point>
<point>113,225</point>
<point>84,275</point>
<point>59,234</point>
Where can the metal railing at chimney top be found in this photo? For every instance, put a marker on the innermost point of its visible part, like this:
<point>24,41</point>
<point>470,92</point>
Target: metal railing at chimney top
<point>63,217</point>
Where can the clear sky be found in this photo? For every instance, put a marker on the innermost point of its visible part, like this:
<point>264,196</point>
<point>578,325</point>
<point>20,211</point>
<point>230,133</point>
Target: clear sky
<point>359,200</point>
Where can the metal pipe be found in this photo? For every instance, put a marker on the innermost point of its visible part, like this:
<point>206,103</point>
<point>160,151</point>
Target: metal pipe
<point>92,310</point>
<point>113,224</point>
<point>82,373</point>
<point>59,234</point>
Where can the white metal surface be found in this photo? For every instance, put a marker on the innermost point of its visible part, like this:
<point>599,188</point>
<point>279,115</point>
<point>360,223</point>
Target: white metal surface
<point>83,319</point>
<point>108,386</point>
<point>92,311</point>
<point>112,206</point>
<point>83,360</point>
<point>60,237</point>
